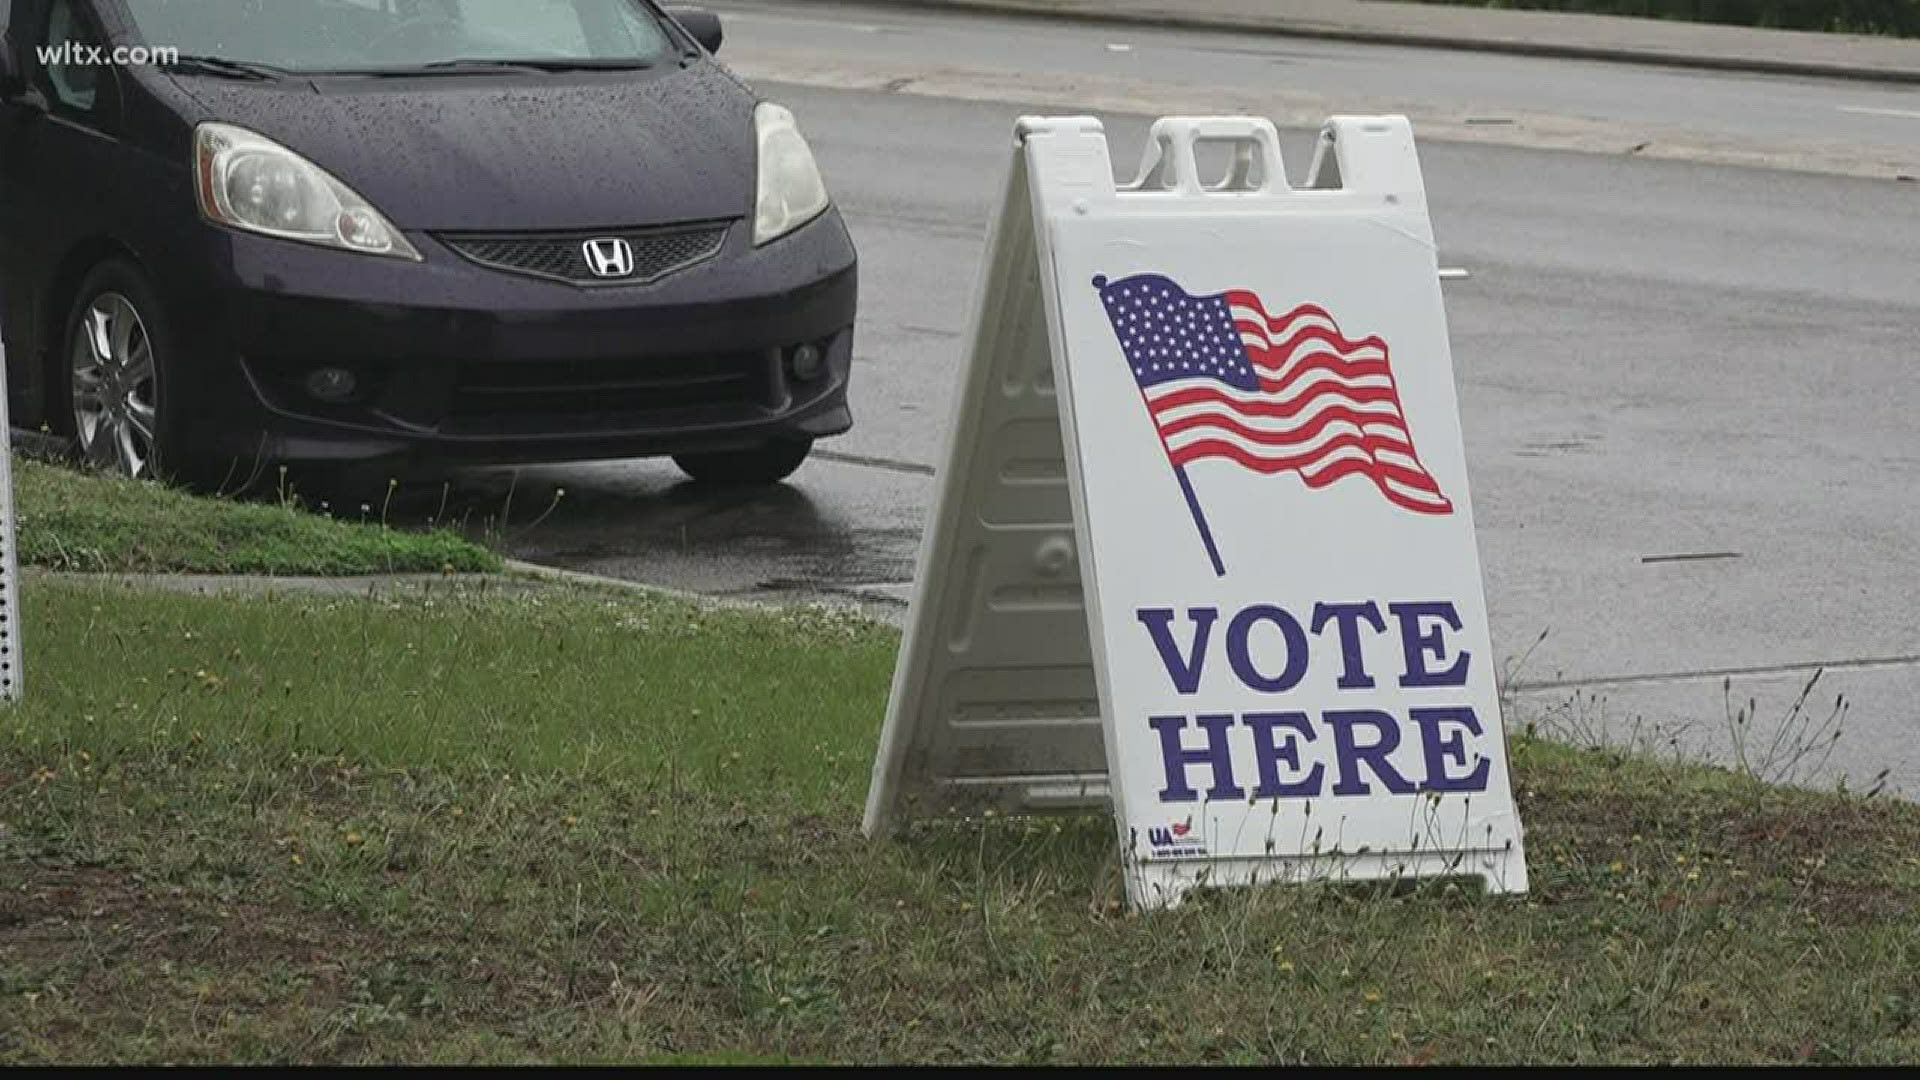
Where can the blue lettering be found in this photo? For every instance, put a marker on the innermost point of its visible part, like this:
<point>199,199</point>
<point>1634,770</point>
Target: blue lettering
<point>1268,755</point>
<point>1240,653</point>
<point>1185,672</point>
<point>1353,675</point>
<point>1177,757</point>
<point>1351,755</point>
<point>1417,643</point>
<point>1450,747</point>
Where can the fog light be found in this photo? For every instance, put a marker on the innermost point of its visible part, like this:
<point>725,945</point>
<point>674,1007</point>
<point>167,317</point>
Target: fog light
<point>806,362</point>
<point>331,383</point>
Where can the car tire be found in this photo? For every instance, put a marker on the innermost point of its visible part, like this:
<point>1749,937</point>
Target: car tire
<point>768,463</point>
<point>108,389</point>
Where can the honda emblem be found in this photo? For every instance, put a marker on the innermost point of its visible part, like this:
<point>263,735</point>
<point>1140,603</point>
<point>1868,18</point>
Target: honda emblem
<point>609,256</point>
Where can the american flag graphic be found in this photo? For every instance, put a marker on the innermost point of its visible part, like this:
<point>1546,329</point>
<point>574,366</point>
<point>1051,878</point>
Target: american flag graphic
<point>1223,378</point>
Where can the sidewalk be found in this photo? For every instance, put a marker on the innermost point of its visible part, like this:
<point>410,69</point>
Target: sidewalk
<point>1530,33</point>
<point>519,578</point>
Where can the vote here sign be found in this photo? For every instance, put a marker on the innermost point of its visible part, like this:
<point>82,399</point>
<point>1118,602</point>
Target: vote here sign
<point>1278,545</point>
<point>1204,515</point>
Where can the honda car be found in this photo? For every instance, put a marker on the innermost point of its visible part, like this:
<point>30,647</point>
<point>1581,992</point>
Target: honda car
<point>235,233</point>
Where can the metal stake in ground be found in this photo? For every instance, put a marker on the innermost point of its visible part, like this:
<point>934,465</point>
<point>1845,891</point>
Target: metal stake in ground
<point>10,679</point>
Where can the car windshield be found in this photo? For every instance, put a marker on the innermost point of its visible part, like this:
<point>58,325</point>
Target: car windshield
<point>313,36</point>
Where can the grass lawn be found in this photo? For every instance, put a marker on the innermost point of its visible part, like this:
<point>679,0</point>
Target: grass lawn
<point>70,520</point>
<point>564,826</point>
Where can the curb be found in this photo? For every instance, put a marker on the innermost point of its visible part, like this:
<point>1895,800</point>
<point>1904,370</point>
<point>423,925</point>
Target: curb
<point>211,584</point>
<point>513,572</point>
<point>39,444</point>
<point>864,604</point>
<point>600,581</point>
<point>1553,50</point>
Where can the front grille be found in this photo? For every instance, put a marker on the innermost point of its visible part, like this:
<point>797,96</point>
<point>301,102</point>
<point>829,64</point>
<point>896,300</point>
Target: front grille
<point>562,256</point>
<point>582,395</point>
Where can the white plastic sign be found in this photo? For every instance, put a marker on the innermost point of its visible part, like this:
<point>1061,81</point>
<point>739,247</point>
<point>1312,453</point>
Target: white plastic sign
<point>1204,522</point>
<point>9,556</point>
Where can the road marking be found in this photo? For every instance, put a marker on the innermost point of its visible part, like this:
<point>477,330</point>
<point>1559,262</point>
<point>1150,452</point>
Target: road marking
<point>929,331</point>
<point>736,15</point>
<point>1689,556</point>
<point>889,464</point>
<point>1868,110</point>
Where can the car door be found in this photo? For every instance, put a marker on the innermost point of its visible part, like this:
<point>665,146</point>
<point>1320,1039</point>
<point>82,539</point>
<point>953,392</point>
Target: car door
<point>58,147</point>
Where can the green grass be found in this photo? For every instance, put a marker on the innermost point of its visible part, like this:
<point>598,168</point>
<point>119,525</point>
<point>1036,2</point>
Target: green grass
<point>90,522</point>
<point>569,681</point>
<point>588,829</point>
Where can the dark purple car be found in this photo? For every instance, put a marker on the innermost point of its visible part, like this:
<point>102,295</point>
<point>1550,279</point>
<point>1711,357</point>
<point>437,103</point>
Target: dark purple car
<point>241,232</point>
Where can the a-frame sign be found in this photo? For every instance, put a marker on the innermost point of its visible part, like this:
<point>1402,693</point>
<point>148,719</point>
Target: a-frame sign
<point>1202,546</point>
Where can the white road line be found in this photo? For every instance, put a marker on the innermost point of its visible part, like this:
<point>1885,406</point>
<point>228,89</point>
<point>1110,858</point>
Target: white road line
<point>737,15</point>
<point>756,17</point>
<point>1868,110</point>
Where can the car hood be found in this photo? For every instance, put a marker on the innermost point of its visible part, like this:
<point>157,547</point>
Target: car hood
<point>516,152</point>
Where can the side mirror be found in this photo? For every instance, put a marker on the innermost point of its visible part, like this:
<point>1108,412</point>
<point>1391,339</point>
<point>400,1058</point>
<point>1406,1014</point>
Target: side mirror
<point>704,25</point>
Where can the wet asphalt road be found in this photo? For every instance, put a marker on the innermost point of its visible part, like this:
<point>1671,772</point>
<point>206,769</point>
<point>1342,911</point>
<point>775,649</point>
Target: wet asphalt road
<point>1788,110</point>
<point>1689,395</point>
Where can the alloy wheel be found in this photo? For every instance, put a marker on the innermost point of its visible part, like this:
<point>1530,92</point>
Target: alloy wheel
<point>114,406</point>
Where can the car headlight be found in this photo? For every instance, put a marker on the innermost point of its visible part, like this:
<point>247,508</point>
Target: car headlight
<point>791,191</point>
<point>248,181</point>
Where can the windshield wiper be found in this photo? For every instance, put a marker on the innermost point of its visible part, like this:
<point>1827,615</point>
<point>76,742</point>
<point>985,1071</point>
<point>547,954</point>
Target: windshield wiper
<point>222,67</point>
<point>485,65</point>
<point>576,63</point>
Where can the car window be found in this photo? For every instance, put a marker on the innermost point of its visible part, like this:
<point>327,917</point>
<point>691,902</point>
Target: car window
<point>349,35</point>
<point>561,27</point>
<point>72,77</point>
<point>532,24</point>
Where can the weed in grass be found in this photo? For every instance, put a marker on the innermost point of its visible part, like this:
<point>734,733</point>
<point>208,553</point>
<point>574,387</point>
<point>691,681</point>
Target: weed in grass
<point>1801,742</point>
<point>1586,719</point>
<point>553,504</point>
<point>235,483</point>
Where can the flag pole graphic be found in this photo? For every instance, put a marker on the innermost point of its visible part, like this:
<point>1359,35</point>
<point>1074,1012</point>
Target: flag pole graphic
<point>1200,520</point>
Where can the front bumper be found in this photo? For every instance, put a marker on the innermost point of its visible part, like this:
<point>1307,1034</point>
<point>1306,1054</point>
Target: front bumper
<point>460,362</point>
